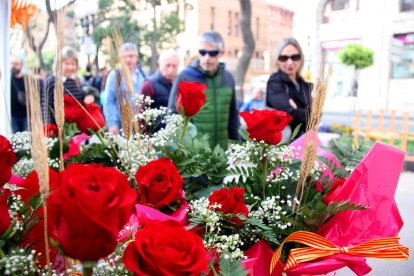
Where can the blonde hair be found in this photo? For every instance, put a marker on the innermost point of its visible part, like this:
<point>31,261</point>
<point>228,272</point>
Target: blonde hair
<point>282,44</point>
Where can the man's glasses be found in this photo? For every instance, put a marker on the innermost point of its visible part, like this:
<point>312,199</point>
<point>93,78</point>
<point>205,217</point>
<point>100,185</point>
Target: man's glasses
<point>284,58</point>
<point>211,53</point>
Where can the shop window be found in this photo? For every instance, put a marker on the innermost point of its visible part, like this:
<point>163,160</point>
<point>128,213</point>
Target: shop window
<point>406,5</point>
<point>404,67</point>
<point>339,4</point>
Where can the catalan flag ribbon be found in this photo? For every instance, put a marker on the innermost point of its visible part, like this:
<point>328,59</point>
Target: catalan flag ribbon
<point>383,248</point>
<point>22,11</point>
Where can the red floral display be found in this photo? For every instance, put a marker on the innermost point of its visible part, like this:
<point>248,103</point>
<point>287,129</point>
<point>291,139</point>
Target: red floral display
<point>51,130</point>
<point>34,236</point>
<point>91,205</point>
<point>5,220</point>
<point>72,109</point>
<point>165,248</point>
<point>92,118</point>
<point>190,97</point>
<point>266,125</point>
<point>231,201</point>
<point>334,190</point>
<point>7,160</point>
<point>159,183</point>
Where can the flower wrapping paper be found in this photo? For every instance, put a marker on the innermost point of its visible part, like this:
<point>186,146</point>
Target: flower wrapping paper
<point>372,183</point>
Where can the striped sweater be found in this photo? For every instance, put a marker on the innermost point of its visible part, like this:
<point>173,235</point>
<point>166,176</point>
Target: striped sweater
<point>71,88</point>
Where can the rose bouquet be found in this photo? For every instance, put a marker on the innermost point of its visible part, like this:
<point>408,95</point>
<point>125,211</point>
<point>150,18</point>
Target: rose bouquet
<point>165,203</point>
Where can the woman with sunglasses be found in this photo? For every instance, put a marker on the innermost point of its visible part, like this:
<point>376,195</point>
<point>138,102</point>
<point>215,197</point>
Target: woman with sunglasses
<point>286,89</point>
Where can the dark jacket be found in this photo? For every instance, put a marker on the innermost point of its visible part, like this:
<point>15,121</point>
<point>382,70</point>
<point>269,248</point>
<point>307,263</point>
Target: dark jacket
<point>18,97</point>
<point>280,89</point>
<point>71,88</point>
<point>158,89</point>
<point>219,116</point>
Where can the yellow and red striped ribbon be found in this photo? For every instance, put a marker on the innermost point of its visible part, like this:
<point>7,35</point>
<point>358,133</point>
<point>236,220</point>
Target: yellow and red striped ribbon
<point>22,11</point>
<point>383,248</point>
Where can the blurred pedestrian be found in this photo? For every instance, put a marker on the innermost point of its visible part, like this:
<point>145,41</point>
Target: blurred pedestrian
<point>257,101</point>
<point>286,89</point>
<point>158,86</point>
<point>219,116</point>
<point>71,84</point>
<point>18,96</point>
<point>129,54</point>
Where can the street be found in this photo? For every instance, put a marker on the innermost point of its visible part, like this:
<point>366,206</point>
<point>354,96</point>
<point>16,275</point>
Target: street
<point>405,201</point>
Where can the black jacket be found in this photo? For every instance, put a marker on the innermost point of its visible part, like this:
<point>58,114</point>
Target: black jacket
<point>280,89</point>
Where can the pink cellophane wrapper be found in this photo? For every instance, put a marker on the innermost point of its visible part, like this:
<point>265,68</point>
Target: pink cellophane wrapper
<point>258,260</point>
<point>75,145</point>
<point>300,142</point>
<point>144,214</point>
<point>372,183</point>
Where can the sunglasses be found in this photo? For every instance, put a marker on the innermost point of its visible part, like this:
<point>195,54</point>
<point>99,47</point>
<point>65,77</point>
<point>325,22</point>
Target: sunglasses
<point>211,53</point>
<point>284,58</point>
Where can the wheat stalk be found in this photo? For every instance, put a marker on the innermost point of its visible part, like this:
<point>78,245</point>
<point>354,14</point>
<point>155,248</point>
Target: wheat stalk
<point>311,138</point>
<point>59,93</point>
<point>128,115</point>
<point>39,151</point>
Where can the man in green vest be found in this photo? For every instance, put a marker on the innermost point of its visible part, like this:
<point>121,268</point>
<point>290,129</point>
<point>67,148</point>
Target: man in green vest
<point>219,116</point>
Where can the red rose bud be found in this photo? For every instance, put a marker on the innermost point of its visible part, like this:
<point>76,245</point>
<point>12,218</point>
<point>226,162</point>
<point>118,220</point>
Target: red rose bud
<point>190,97</point>
<point>266,125</point>
<point>166,248</point>
<point>5,220</point>
<point>91,119</point>
<point>91,204</point>
<point>334,191</point>
<point>51,130</point>
<point>231,201</point>
<point>7,160</point>
<point>72,108</point>
<point>159,183</point>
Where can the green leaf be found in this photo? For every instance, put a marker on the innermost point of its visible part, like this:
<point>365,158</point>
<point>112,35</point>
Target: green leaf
<point>230,267</point>
<point>35,201</point>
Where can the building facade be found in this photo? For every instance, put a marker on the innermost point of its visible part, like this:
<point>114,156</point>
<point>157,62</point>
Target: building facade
<point>386,27</point>
<point>269,24</point>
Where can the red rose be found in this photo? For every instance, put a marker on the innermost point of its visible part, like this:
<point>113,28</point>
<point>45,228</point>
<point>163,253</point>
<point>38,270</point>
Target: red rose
<point>190,97</point>
<point>334,190</point>
<point>91,204</point>
<point>159,183</point>
<point>92,118</point>
<point>7,160</point>
<point>5,220</point>
<point>266,125</point>
<point>231,201</point>
<point>51,130</point>
<point>33,238</point>
<point>165,248</point>
<point>72,108</point>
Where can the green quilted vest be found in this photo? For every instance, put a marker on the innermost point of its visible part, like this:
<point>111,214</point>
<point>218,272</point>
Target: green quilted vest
<point>213,119</point>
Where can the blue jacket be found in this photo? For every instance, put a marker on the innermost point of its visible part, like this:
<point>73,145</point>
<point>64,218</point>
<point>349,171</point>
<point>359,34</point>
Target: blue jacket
<point>111,108</point>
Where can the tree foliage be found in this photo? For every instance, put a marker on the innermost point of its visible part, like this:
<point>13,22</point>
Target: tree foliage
<point>161,34</point>
<point>357,55</point>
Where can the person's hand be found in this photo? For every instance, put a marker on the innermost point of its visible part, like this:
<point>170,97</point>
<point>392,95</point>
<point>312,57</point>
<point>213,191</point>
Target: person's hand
<point>293,104</point>
<point>88,99</point>
<point>114,130</point>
